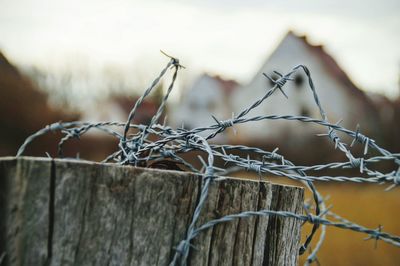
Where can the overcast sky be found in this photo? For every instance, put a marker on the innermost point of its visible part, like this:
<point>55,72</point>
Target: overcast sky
<point>232,38</point>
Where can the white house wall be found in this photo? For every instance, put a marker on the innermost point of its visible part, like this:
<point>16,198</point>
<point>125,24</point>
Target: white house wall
<point>205,98</point>
<point>291,52</point>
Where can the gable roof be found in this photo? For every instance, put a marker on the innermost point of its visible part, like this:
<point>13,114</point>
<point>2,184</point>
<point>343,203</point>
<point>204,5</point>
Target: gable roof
<point>227,86</point>
<point>330,65</point>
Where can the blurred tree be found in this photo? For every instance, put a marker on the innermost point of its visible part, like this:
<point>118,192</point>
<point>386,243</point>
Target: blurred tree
<point>23,109</point>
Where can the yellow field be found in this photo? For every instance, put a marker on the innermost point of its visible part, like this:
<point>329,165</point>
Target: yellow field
<point>367,205</point>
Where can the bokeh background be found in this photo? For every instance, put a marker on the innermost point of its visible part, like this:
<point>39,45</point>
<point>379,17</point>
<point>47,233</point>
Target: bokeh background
<point>91,60</point>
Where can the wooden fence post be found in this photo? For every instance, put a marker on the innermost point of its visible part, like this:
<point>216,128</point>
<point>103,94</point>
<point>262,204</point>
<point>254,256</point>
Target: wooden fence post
<point>65,212</point>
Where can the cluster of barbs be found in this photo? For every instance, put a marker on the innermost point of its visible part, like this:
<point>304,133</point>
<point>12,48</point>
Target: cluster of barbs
<point>137,149</point>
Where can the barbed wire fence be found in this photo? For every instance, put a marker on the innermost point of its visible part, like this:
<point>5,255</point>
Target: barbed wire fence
<point>138,150</point>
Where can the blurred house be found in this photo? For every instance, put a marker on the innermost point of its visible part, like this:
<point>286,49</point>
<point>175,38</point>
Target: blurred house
<point>209,95</point>
<point>389,118</point>
<point>339,96</point>
<point>117,108</point>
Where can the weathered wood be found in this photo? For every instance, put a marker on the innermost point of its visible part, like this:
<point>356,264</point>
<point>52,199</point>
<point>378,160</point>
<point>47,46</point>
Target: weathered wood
<point>24,222</point>
<point>60,212</point>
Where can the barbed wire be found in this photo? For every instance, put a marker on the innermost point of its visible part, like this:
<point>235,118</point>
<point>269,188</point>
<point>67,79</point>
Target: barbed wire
<point>136,148</point>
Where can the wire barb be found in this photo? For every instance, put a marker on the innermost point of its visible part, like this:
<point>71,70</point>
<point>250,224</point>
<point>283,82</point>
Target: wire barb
<point>140,149</point>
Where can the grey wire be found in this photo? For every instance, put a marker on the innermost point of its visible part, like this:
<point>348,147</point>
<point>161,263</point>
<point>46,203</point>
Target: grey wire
<point>375,233</point>
<point>169,143</point>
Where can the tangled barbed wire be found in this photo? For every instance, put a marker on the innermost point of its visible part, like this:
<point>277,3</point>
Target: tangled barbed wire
<point>138,149</point>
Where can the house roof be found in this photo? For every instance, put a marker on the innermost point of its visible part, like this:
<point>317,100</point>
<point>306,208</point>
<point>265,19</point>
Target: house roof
<point>145,111</point>
<point>226,85</point>
<point>332,66</point>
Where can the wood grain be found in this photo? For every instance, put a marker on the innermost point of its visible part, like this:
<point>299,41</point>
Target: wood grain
<point>63,212</point>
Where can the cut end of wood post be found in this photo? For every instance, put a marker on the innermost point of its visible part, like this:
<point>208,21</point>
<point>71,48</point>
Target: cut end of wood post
<point>70,212</point>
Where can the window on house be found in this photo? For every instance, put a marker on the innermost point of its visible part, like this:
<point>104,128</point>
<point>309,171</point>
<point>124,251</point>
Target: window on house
<point>304,111</point>
<point>299,81</point>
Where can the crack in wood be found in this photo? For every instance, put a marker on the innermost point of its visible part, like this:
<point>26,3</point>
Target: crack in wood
<point>258,206</point>
<point>51,204</point>
<point>65,210</point>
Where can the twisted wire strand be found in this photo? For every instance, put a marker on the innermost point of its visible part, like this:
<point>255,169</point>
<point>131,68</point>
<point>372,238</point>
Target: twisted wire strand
<point>136,148</point>
<point>394,240</point>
